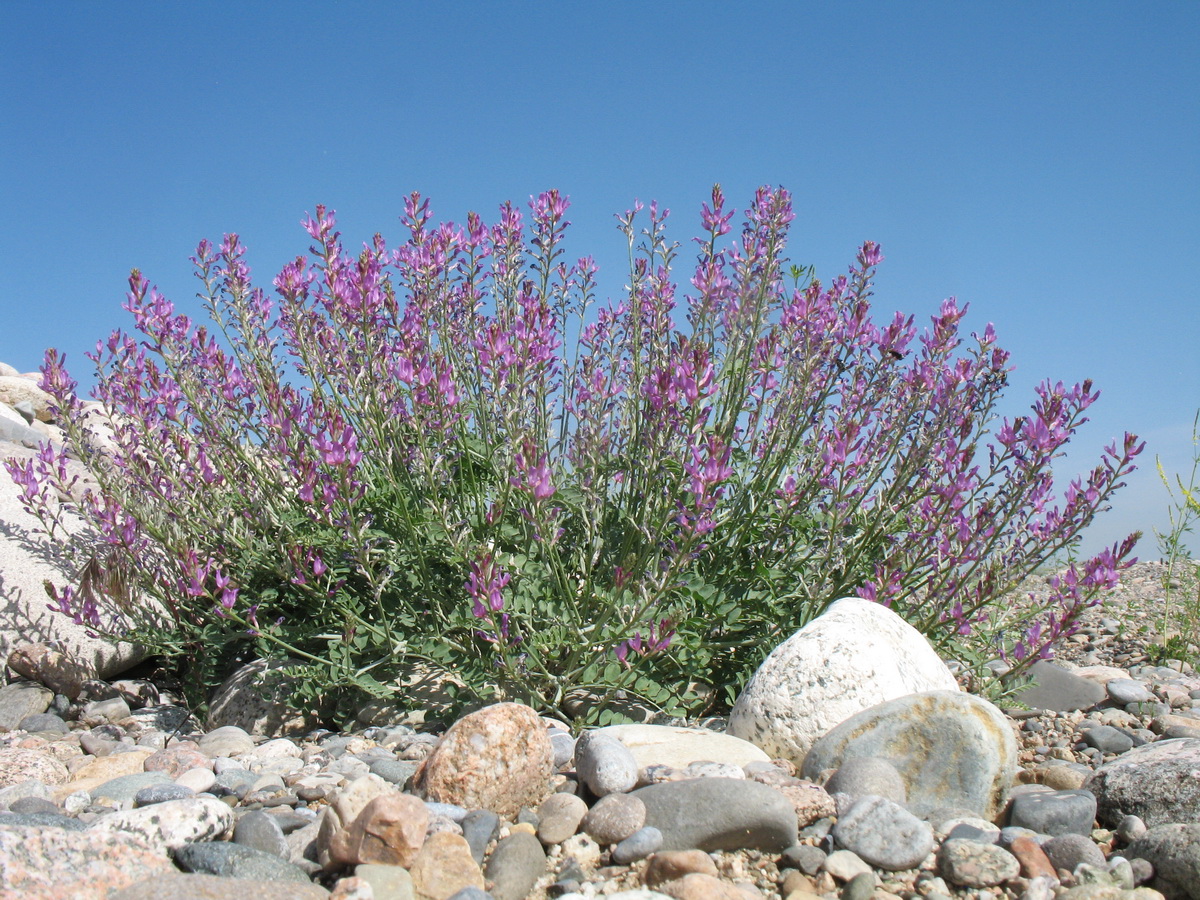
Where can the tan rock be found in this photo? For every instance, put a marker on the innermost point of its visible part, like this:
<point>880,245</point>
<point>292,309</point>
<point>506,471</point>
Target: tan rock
<point>499,758</point>
<point>354,797</point>
<point>103,769</point>
<point>46,665</point>
<point>671,865</point>
<point>390,831</point>
<point>443,867</point>
<point>178,759</point>
<point>700,887</point>
<point>811,801</point>
<point>17,388</point>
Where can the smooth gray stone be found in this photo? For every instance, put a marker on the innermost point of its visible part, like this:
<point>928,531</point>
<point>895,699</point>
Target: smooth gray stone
<point>637,846</point>
<point>1108,739</point>
<point>860,887</point>
<point>1127,690</point>
<point>1056,689</point>
<point>394,771</point>
<point>234,781</point>
<point>44,722</point>
<point>1154,782</point>
<point>124,788</point>
<point>26,805</point>
<point>259,831</point>
<point>1055,812</point>
<point>564,748</point>
<point>21,699</point>
<point>719,814</point>
<point>884,834</point>
<point>604,764</point>
<point>952,749</point>
<point>470,893</point>
<point>806,858</point>
<point>235,861</point>
<point>872,775</point>
<point>515,866</point>
<point>1069,850</point>
<point>40,819</point>
<point>479,827</point>
<point>161,793</point>
<point>1174,852</point>
<point>446,811</point>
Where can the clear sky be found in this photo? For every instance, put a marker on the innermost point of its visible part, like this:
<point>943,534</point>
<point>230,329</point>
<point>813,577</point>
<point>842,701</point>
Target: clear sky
<point>1039,161</point>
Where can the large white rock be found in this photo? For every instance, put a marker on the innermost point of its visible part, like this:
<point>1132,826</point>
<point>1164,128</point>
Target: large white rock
<point>678,747</point>
<point>854,656</point>
<point>27,560</point>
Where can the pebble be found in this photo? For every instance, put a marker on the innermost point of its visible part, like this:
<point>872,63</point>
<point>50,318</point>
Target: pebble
<point>638,845</point>
<point>1055,812</point>
<point>614,817</point>
<point>604,764</point>
<point>974,864</point>
<point>120,783</point>
<point>883,833</point>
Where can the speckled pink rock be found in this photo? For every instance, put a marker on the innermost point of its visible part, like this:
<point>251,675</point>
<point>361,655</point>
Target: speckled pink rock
<point>498,758</point>
<point>18,765</point>
<point>52,863</point>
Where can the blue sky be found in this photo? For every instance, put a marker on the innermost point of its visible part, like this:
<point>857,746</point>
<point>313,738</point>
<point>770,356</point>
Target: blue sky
<point>1038,161</point>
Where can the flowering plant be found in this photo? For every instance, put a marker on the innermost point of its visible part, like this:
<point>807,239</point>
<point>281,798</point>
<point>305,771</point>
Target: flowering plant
<point>444,454</point>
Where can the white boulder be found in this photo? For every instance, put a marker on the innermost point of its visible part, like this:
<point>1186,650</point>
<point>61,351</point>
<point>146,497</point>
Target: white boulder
<point>854,656</point>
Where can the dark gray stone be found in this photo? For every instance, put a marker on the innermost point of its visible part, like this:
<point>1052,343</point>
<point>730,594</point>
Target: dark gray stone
<point>28,805</point>
<point>883,834</point>
<point>21,699</point>
<point>719,814</point>
<point>479,827</point>
<point>235,861</point>
<point>1108,739</point>
<point>260,831</point>
<point>161,793</point>
<point>806,858</point>
<point>515,866</point>
<point>1174,852</point>
<point>234,781</point>
<point>124,788</point>
<point>1159,783</point>
<point>860,887</point>
<point>637,846</point>
<point>1055,812</point>
<point>40,819</point>
<point>1056,689</point>
<point>862,775</point>
<point>48,722</point>
<point>564,748</point>
<point>394,771</point>
<point>951,748</point>
<point>1069,850</point>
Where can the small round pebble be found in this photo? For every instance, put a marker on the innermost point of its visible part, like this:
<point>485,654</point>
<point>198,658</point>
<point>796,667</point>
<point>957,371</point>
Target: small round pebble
<point>260,831</point>
<point>976,864</point>
<point>860,887</point>
<point>868,775</point>
<point>604,764</point>
<point>637,846</point>
<point>614,818</point>
<point>1069,850</point>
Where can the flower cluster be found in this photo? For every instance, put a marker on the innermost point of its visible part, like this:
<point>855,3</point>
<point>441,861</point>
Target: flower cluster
<point>447,454</point>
